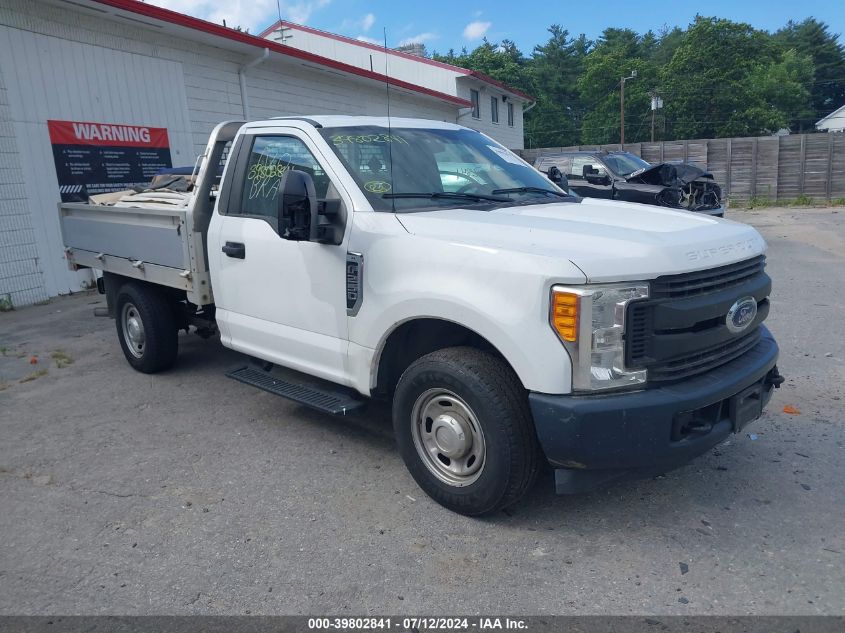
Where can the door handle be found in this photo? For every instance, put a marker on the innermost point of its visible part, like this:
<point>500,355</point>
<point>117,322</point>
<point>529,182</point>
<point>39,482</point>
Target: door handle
<point>235,249</point>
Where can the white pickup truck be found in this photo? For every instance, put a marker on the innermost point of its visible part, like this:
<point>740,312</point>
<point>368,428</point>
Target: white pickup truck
<point>510,322</point>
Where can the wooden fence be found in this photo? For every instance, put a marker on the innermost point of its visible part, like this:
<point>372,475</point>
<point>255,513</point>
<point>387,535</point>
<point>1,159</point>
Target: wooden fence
<point>773,167</point>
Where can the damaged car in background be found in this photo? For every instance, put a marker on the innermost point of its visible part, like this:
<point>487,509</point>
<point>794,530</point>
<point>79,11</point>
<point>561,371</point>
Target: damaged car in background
<point>626,176</point>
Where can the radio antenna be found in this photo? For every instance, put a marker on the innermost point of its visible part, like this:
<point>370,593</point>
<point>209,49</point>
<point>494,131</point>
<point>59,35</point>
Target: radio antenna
<point>389,127</point>
<point>281,26</point>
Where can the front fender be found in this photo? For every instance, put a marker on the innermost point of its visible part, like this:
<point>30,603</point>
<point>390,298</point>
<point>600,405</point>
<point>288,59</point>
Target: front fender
<point>500,295</point>
<point>537,356</point>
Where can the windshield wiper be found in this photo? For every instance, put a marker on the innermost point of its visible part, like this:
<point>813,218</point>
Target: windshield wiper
<point>533,190</point>
<point>448,195</point>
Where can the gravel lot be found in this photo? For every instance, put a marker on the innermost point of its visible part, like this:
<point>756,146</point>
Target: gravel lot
<point>189,493</point>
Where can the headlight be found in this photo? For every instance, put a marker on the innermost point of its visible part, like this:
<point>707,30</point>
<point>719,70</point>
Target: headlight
<point>590,321</point>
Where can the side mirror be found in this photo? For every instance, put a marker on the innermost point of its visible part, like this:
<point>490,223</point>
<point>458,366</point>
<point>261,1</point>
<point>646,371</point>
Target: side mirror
<point>557,177</point>
<point>304,218</point>
<point>297,212</point>
<point>597,179</point>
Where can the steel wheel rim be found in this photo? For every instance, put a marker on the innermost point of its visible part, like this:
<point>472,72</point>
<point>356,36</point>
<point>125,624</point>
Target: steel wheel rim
<point>448,437</point>
<point>133,330</point>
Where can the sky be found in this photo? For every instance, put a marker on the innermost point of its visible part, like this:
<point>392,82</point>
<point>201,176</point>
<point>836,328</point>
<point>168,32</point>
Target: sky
<point>442,25</point>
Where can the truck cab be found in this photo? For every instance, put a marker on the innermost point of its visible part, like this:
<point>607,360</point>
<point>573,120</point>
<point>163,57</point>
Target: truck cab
<point>509,322</point>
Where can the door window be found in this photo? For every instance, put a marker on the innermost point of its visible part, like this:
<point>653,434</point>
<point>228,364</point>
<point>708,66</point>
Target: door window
<point>581,165</point>
<point>269,159</point>
<point>563,163</point>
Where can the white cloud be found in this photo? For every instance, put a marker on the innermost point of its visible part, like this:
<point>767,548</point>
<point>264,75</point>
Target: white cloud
<point>368,40</point>
<point>476,30</point>
<point>300,12</point>
<point>364,23</point>
<point>251,14</point>
<point>420,38</point>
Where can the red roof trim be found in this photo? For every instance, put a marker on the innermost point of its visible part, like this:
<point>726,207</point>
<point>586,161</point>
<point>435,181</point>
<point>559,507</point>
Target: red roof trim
<point>431,62</point>
<point>179,19</point>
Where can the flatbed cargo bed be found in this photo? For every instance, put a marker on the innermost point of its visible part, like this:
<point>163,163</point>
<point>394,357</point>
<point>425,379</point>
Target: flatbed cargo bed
<point>148,243</point>
<point>160,243</point>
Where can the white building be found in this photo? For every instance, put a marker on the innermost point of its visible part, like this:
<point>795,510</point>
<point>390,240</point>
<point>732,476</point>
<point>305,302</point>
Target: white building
<point>833,122</point>
<point>86,84</point>
<point>497,109</point>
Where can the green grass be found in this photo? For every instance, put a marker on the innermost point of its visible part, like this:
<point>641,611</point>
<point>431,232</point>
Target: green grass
<point>801,201</point>
<point>61,358</point>
<point>760,201</point>
<point>33,376</point>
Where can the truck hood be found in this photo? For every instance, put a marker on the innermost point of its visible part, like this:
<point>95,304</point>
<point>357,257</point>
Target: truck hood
<point>669,174</point>
<point>607,240</point>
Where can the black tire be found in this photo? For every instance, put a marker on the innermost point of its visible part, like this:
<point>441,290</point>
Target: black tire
<point>499,404</point>
<point>149,307</point>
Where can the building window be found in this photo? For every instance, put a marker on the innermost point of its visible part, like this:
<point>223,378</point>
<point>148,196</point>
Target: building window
<point>510,114</point>
<point>476,109</point>
<point>494,109</point>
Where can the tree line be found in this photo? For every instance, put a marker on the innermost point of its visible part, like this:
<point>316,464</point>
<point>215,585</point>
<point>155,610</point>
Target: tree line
<point>716,78</point>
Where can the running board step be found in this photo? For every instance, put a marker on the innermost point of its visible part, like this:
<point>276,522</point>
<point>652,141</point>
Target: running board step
<point>332,401</point>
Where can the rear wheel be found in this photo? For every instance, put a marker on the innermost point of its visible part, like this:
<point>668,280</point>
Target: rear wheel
<point>146,328</point>
<point>465,431</point>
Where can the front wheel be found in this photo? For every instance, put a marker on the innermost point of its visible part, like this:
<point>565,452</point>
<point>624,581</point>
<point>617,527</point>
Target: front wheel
<point>465,431</point>
<point>146,328</point>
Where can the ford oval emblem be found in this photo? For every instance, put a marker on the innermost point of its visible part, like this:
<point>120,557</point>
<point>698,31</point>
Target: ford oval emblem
<point>741,314</point>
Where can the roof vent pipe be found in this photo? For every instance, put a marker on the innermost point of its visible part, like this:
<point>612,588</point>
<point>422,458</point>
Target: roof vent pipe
<point>242,79</point>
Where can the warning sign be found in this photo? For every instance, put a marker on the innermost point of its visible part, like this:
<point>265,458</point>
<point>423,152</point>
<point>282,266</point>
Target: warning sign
<point>94,158</point>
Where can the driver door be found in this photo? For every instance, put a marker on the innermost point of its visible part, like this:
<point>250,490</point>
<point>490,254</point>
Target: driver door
<point>279,299</point>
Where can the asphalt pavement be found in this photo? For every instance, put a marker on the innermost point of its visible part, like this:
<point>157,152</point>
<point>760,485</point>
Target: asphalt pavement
<point>189,493</point>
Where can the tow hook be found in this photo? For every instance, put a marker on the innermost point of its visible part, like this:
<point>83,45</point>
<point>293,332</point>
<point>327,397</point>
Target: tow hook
<point>774,378</point>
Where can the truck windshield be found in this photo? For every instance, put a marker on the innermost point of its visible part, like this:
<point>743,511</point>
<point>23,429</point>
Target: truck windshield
<point>431,168</point>
<point>624,163</point>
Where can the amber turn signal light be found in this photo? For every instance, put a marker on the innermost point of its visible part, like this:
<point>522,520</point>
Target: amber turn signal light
<point>565,315</point>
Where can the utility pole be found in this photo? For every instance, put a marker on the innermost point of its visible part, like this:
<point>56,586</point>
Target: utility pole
<point>652,125</point>
<point>653,110</point>
<point>622,81</point>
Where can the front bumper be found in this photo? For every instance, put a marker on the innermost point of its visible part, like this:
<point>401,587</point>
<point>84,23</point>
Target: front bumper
<point>594,439</point>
